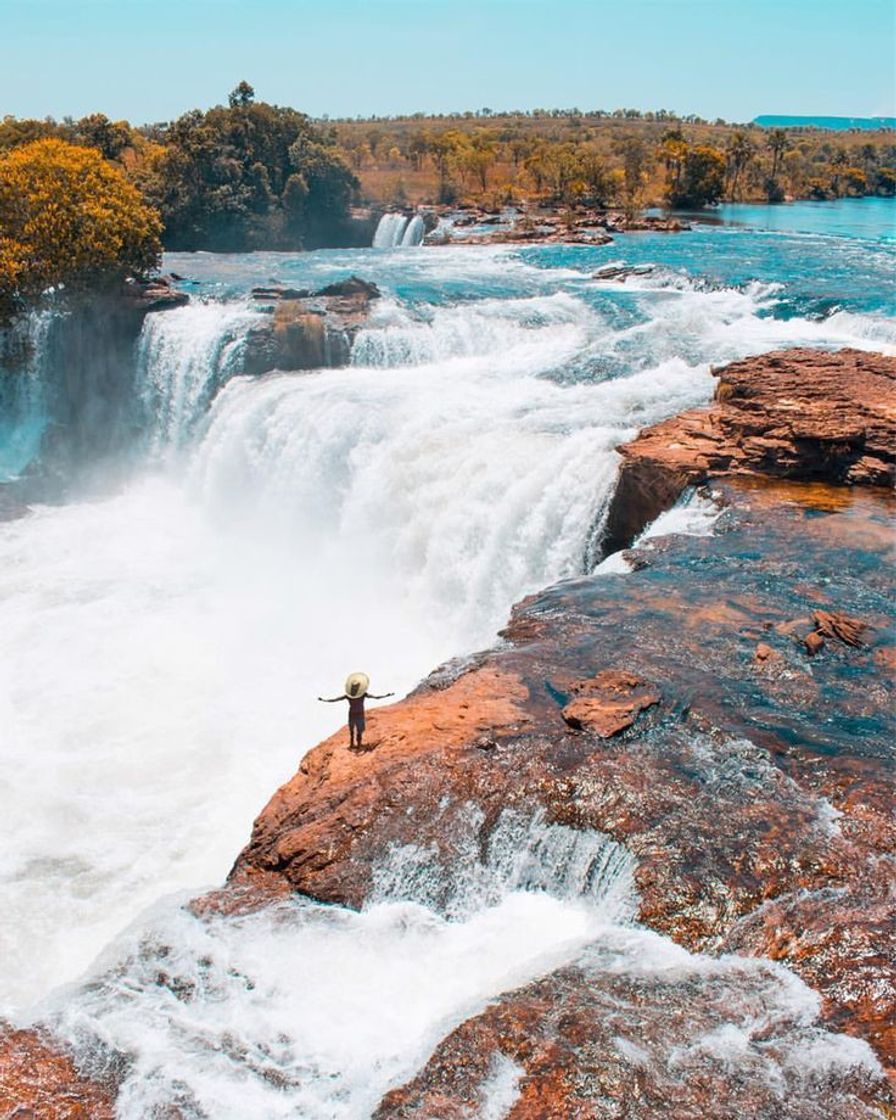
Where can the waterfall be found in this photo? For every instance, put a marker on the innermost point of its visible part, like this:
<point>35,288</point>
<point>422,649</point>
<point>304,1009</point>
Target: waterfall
<point>390,231</point>
<point>413,234</point>
<point>23,391</point>
<point>183,357</point>
<point>523,853</point>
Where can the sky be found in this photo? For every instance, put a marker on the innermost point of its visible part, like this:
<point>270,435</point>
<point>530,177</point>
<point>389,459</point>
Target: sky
<point>150,60</point>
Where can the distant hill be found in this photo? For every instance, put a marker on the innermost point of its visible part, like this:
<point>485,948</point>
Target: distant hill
<point>840,124</point>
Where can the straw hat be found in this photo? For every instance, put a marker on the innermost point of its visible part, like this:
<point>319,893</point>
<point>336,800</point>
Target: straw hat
<point>356,684</point>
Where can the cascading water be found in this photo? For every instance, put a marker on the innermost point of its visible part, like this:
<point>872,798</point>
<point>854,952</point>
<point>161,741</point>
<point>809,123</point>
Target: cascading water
<point>23,392</point>
<point>414,233</point>
<point>160,651</point>
<point>396,230</point>
<point>183,357</point>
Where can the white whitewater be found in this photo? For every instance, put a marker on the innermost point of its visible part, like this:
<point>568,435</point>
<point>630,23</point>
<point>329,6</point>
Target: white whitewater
<point>335,1006</point>
<point>414,232</point>
<point>396,230</point>
<point>315,1012</point>
<point>184,356</point>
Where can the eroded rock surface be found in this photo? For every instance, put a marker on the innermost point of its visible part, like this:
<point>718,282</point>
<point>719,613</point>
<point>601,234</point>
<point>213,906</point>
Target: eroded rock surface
<point>308,330</point>
<point>615,1039</point>
<point>753,780</point>
<point>803,414</point>
<point>39,1081</point>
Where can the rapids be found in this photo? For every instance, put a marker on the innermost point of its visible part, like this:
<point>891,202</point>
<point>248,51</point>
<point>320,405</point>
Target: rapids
<point>163,638</point>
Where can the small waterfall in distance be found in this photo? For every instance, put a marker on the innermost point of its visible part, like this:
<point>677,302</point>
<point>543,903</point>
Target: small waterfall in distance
<point>395,230</point>
<point>413,234</point>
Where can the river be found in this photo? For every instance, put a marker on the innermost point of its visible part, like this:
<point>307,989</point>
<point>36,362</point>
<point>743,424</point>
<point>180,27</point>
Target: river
<point>166,629</point>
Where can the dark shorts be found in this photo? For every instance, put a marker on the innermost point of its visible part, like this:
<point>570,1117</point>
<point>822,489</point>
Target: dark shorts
<point>356,723</point>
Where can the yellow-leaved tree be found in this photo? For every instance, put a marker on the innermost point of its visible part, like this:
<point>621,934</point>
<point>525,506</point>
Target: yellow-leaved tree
<point>69,218</point>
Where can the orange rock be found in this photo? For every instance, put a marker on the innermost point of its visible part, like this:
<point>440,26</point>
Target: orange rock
<point>609,702</point>
<point>813,642</point>
<point>805,414</point>
<point>39,1081</point>
<point>848,630</point>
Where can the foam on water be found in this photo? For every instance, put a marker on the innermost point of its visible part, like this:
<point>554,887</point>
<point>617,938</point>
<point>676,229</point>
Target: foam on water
<point>183,358</point>
<point>316,1011</point>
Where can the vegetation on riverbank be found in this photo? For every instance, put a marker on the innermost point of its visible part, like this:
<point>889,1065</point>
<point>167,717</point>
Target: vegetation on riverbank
<point>243,176</point>
<point>82,201</point>
<point>69,219</point>
<point>625,159</point>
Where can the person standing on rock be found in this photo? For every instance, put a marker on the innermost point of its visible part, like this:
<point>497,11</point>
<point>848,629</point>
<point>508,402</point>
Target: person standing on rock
<point>356,693</point>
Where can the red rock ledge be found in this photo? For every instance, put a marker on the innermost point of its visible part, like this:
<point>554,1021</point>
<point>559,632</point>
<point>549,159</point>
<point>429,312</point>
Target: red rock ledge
<point>800,414</point>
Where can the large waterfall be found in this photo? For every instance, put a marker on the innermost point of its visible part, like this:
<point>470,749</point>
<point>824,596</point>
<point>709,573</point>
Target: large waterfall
<point>162,643</point>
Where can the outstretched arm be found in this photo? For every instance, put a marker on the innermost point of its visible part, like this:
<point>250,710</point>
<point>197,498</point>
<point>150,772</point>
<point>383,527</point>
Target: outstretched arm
<point>332,699</point>
<point>373,695</point>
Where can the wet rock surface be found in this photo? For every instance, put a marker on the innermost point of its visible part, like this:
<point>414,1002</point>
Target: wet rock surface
<point>610,1039</point>
<point>753,780</point>
<point>747,768</point>
<point>308,330</point>
<point>806,414</point>
<point>39,1081</point>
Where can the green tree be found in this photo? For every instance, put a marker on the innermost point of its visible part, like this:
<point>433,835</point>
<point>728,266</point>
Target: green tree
<point>702,178</point>
<point>225,179</point>
<point>110,137</point>
<point>242,96</point>
<point>740,152</point>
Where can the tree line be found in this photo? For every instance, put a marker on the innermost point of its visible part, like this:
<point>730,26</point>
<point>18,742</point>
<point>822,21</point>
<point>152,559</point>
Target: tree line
<point>84,203</point>
<point>624,159</point>
<point>240,176</point>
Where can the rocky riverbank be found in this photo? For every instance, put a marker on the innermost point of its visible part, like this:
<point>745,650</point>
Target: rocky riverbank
<point>543,225</point>
<point>721,705</point>
<point>723,710</point>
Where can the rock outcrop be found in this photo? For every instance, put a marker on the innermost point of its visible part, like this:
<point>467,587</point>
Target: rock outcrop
<point>308,330</point>
<point>39,1081</point>
<point>140,297</point>
<point>806,414</point>
<point>605,1039</point>
<point>743,781</point>
<point>678,708</point>
<point>549,225</point>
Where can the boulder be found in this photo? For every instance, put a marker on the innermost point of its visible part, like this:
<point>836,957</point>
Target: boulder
<point>814,415</point>
<point>308,330</point>
<point>608,702</point>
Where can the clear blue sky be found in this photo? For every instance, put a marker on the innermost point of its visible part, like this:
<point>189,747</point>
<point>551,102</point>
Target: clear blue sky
<point>149,60</point>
